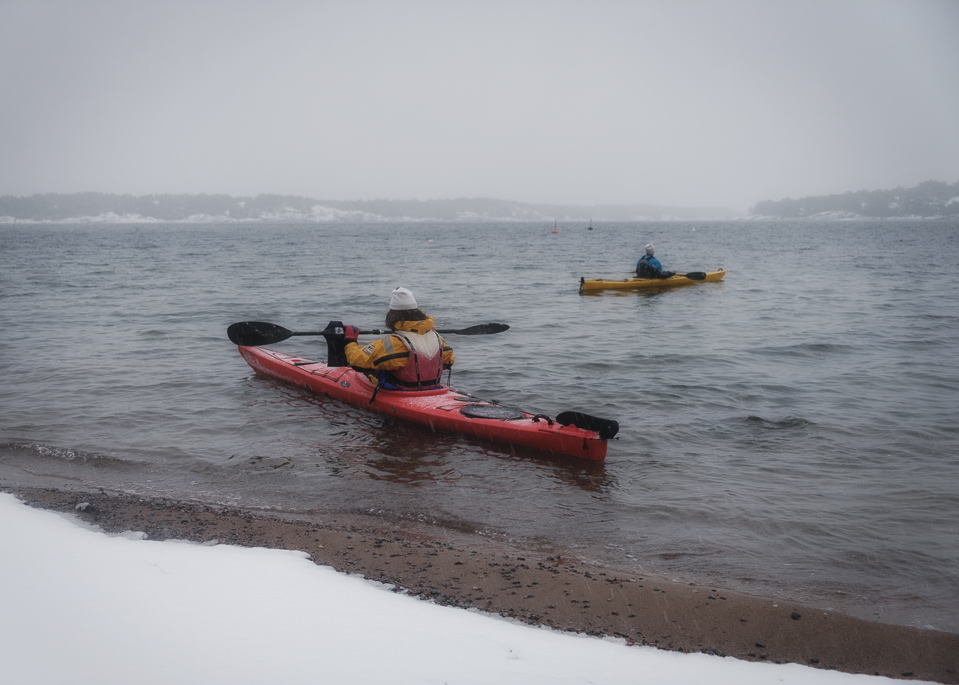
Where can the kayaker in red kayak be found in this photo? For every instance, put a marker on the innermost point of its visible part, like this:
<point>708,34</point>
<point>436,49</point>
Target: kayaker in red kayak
<point>649,267</point>
<point>412,358</point>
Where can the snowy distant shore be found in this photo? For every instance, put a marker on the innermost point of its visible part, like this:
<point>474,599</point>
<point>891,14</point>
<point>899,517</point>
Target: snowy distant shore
<point>114,609</point>
<point>112,208</point>
<point>931,200</point>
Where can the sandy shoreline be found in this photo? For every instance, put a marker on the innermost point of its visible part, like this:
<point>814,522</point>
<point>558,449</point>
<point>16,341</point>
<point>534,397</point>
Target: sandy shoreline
<point>540,588</point>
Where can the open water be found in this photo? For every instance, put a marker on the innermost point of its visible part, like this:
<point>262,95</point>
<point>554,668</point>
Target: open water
<point>791,431</point>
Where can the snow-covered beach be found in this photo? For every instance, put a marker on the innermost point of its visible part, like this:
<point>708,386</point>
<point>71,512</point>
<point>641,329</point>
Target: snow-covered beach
<point>83,606</point>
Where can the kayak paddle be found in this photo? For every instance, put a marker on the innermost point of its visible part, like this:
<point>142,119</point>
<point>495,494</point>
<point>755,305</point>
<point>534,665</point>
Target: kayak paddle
<point>692,275</point>
<point>256,333</point>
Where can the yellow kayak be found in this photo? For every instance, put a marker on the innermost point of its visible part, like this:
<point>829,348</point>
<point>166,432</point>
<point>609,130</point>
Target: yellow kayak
<point>592,284</point>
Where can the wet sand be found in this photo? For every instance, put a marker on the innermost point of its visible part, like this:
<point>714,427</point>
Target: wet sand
<point>538,587</point>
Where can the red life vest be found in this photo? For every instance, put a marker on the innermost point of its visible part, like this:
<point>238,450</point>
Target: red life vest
<point>424,368</point>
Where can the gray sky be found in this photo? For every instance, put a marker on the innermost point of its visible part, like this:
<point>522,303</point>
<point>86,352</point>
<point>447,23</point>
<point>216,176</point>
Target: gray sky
<point>677,102</point>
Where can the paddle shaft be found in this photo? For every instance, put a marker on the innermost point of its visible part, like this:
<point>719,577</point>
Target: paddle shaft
<point>256,333</point>
<point>692,275</point>
<point>385,331</point>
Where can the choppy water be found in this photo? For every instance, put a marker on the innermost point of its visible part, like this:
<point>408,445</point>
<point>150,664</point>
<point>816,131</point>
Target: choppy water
<point>792,430</point>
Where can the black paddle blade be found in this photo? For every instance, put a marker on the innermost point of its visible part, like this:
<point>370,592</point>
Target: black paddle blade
<point>696,276</point>
<point>255,333</point>
<point>480,329</point>
<point>607,428</point>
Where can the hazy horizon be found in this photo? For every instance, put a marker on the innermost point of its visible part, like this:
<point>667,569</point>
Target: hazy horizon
<point>686,104</point>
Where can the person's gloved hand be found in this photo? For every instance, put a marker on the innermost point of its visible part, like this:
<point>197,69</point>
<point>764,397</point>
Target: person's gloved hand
<point>350,333</point>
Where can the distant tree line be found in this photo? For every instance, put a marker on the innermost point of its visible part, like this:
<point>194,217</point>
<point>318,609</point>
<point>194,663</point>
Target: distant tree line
<point>928,199</point>
<point>60,207</point>
<point>73,206</point>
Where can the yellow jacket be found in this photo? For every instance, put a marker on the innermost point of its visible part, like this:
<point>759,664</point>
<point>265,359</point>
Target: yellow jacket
<point>390,353</point>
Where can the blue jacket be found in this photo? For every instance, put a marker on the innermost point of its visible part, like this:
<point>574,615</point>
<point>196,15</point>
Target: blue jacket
<point>652,265</point>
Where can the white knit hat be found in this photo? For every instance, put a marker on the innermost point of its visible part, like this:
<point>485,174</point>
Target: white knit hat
<point>649,249</point>
<point>401,298</point>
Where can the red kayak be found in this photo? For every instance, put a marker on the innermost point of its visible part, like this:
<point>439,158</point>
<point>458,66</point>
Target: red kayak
<point>570,433</point>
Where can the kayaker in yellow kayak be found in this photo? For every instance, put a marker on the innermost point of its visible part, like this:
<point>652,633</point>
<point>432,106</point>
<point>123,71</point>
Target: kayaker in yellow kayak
<point>412,358</point>
<point>649,267</point>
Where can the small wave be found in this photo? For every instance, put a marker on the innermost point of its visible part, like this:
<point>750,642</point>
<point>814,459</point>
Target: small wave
<point>265,463</point>
<point>63,453</point>
<point>771,424</point>
<point>804,350</point>
<point>104,462</point>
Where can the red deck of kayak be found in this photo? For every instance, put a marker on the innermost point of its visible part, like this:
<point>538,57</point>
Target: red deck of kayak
<point>439,409</point>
